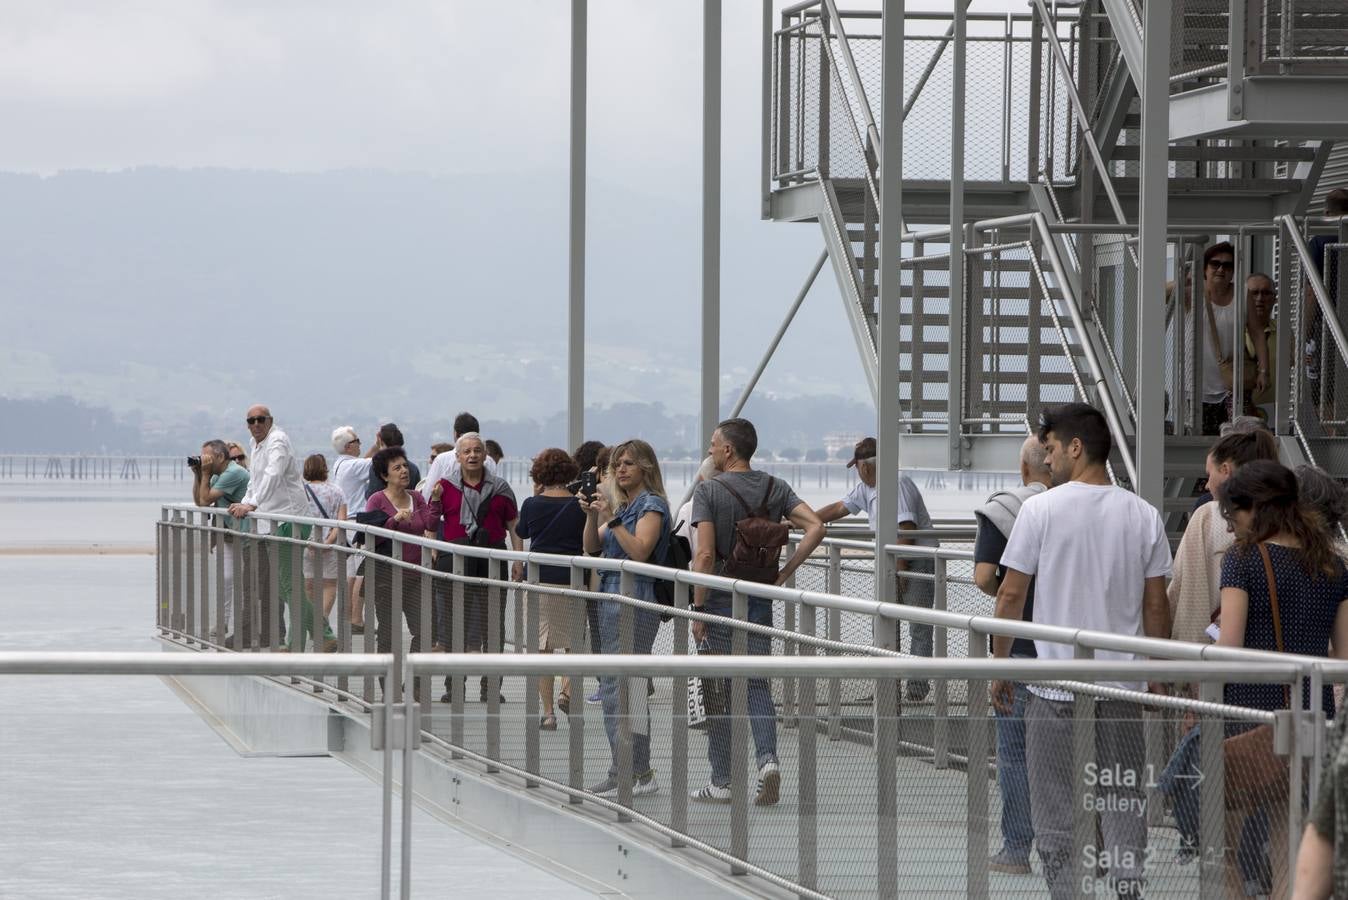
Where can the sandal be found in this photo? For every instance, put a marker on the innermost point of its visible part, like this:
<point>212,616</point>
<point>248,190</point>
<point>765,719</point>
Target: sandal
<point>564,702</point>
<point>547,723</point>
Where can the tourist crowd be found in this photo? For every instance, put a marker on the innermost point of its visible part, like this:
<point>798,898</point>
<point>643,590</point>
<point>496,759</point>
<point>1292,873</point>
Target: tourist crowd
<point>1260,565</point>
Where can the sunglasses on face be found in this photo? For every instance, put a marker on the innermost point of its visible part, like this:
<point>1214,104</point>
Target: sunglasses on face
<point>1223,264</point>
<point>238,458</point>
<point>256,420</point>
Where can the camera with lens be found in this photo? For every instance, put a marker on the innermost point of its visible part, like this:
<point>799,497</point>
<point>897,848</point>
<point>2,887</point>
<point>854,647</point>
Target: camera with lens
<point>584,485</point>
<point>194,462</point>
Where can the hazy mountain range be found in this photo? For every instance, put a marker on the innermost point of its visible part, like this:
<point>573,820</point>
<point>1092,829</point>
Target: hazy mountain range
<point>167,298</point>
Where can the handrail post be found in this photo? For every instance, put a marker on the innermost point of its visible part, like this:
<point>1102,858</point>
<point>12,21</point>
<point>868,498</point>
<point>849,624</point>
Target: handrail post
<point>495,624</point>
<point>807,806</point>
<point>189,576</point>
<point>886,731</point>
<point>526,597</point>
<point>1212,847</point>
<point>626,641</point>
<point>976,782</point>
<point>940,714</point>
<point>833,633</point>
<point>575,748</point>
<point>1083,753</point>
<point>457,682</point>
<point>678,722</point>
<point>739,735</point>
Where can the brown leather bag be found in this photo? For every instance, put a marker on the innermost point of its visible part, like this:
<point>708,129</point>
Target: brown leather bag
<point>1255,775</point>
<point>756,552</point>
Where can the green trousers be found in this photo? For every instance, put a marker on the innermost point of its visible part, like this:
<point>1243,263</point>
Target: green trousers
<point>290,554</point>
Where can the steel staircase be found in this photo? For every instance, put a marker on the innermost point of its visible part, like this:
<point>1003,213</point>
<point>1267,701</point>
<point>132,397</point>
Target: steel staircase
<point>1033,320</point>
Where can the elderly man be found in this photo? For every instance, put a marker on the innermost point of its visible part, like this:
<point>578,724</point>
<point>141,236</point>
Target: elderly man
<point>912,517</point>
<point>473,507</point>
<point>995,520</point>
<point>351,474</point>
<point>277,486</point>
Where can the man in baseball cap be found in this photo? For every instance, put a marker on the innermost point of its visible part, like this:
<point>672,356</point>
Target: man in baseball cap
<point>351,474</point>
<point>912,517</point>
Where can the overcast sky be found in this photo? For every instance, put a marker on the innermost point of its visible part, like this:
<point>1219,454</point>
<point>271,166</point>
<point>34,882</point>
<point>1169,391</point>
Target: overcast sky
<point>478,88</point>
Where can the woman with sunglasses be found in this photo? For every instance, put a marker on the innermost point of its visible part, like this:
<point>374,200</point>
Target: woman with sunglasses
<point>1283,587</point>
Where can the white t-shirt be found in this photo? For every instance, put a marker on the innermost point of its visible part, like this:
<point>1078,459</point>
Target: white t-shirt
<point>912,508</point>
<point>351,474</point>
<point>1214,388</point>
<point>1092,547</point>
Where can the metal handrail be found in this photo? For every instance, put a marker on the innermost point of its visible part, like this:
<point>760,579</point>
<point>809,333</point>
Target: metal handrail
<point>1317,284</point>
<point>981,625</point>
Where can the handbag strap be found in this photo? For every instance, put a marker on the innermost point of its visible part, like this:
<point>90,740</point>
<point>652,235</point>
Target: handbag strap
<point>1273,605</point>
<point>319,503</point>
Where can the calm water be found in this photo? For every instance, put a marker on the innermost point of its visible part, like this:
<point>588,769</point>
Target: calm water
<point>112,788</point>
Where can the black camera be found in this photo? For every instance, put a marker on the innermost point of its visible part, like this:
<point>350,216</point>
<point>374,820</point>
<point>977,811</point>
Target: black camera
<point>584,485</point>
<point>194,462</point>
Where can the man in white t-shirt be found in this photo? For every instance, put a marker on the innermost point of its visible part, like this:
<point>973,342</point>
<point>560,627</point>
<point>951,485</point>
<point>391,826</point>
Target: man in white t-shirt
<point>913,516</point>
<point>1100,557</point>
<point>351,474</point>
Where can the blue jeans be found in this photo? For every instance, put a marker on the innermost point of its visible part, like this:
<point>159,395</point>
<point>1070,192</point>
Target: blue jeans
<point>645,623</point>
<point>762,714</point>
<point>1012,778</point>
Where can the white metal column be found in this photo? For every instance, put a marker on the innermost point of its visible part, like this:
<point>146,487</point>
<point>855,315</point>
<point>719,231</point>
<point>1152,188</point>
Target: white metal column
<point>887,434</point>
<point>709,406</point>
<point>955,333</point>
<point>575,292</point>
<point>1155,91</point>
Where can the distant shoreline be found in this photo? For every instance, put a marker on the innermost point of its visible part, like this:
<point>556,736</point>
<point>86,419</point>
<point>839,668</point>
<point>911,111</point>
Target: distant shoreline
<point>77,550</point>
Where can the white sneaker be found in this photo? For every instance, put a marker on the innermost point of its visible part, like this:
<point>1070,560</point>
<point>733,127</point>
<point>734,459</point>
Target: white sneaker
<point>769,784</point>
<point>711,793</point>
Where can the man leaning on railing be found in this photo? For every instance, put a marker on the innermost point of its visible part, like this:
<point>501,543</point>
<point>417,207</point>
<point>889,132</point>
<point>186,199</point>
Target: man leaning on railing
<point>220,481</point>
<point>277,486</point>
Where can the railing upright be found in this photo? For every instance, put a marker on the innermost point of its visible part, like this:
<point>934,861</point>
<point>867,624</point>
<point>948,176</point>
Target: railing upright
<point>576,718</point>
<point>526,600</point>
<point>678,721</point>
<point>807,816</point>
<point>739,737</point>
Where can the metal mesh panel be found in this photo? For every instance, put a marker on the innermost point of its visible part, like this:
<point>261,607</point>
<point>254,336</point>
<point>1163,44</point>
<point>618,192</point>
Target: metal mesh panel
<point>1313,32</point>
<point>1199,40</point>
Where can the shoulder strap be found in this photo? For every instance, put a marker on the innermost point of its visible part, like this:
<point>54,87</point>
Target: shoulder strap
<point>736,494</point>
<point>1273,605</point>
<point>767,492</point>
<point>319,503</point>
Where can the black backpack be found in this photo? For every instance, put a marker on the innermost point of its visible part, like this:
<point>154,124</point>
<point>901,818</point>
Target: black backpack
<point>678,555</point>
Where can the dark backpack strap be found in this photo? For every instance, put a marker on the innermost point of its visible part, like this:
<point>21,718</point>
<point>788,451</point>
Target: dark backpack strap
<point>736,494</point>
<point>767,492</point>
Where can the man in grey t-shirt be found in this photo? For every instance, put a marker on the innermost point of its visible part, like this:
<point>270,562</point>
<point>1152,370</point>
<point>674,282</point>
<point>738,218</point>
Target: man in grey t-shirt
<point>716,509</point>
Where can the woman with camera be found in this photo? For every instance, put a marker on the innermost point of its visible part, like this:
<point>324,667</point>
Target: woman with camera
<point>638,529</point>
<point>553,522</point>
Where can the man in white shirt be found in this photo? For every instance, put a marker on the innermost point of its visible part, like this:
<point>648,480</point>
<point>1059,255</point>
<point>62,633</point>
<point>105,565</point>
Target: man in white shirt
<point>1101,558</point>
<point>351,474</point>
<point>444,465</point>
<point>912,517</point>
<point>276,485</point>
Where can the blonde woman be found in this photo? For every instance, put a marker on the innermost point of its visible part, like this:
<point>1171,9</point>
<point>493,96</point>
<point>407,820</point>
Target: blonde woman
<point>638,529</point>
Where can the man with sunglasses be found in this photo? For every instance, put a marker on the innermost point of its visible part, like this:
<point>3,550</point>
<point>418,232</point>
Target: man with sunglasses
<point>277,486</point>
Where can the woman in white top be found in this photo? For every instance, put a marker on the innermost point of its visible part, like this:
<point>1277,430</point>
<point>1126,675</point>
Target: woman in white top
<point>325,502</point>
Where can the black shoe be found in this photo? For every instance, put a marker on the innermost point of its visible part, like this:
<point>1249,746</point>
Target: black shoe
<point>917,691</point>
<point>650,687</point>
